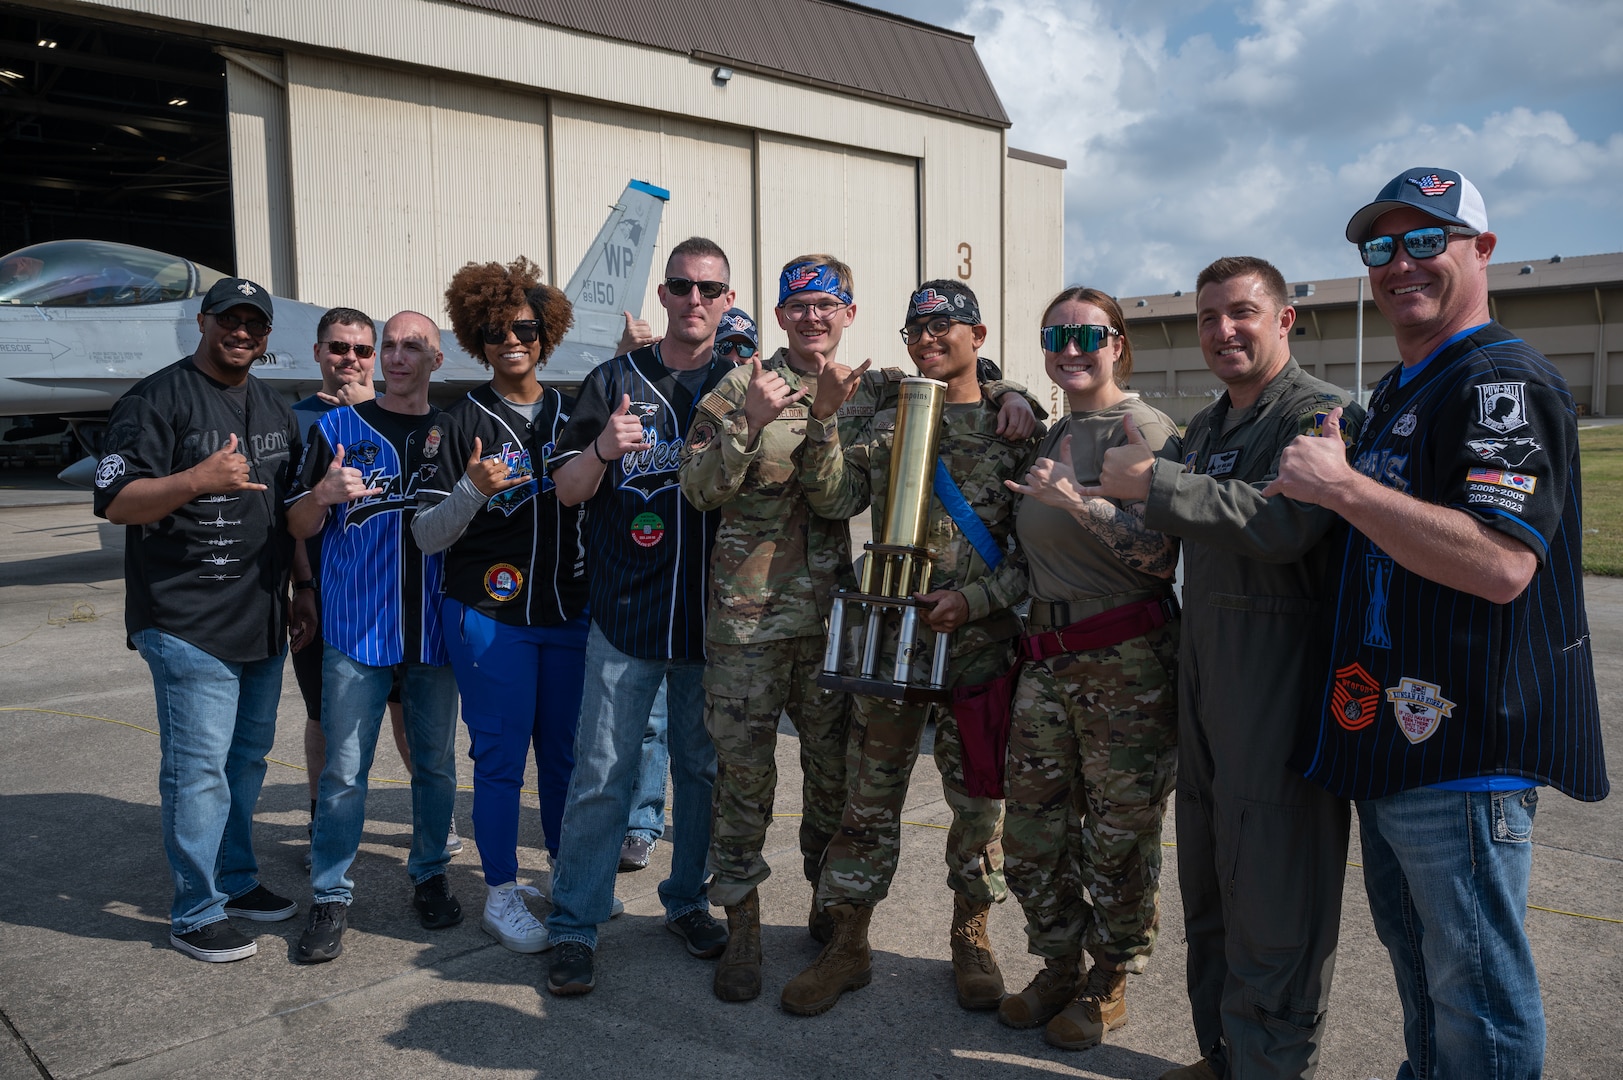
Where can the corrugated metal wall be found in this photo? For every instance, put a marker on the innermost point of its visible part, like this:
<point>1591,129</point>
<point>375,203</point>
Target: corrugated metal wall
<point>858,206</point>
<point>261,217</point>
<point>1033,268</point>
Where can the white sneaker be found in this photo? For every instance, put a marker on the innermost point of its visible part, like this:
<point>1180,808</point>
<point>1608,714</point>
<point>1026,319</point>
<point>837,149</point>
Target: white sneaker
<point>453,842</point>
<point>544,888</point>
<point>508,919</point>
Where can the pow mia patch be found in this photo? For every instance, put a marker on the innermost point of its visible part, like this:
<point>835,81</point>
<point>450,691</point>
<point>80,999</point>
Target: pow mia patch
<point>1222,464</point>
<point>110,469</point>
<point>1501,406</point>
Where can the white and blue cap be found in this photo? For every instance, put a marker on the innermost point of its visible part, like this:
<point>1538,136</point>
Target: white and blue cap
<point>1441,193</point>
<point>738,324</point>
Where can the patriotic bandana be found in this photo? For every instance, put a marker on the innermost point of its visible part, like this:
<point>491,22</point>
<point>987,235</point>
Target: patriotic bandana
<point>956,302</point>
<point>811,277</point>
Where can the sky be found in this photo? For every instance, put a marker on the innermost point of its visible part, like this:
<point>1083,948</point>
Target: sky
<point>1194,130</point>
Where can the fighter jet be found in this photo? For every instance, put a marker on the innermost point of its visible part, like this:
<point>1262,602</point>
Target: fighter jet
<point>81,321</point>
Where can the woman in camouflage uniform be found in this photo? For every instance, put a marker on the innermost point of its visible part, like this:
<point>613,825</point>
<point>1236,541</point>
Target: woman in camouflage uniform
<point>1093,745</point>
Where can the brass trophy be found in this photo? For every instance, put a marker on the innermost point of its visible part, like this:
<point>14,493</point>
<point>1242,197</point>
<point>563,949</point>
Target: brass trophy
<point>898,565</point>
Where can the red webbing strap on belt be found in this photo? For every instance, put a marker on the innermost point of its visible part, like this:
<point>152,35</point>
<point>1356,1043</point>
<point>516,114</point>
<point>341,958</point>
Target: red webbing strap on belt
<point>1102,630</point>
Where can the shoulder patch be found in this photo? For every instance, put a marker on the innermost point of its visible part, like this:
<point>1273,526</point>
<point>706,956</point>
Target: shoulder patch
<point>716,405</point>
<point>893,374</point>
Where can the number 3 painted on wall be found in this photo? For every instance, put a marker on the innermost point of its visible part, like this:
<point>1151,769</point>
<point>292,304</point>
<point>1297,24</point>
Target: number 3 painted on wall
<point>967,252</point>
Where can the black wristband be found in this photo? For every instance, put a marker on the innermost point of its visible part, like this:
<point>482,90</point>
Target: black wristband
<point>599,453</point>
<point>307,583</point>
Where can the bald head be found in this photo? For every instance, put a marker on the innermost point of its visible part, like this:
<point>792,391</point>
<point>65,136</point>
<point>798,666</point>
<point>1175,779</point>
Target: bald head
<point>409,355</point>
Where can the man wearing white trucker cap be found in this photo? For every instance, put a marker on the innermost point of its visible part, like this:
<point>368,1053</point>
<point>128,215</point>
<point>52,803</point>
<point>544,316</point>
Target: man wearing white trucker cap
<point>1461,675</point>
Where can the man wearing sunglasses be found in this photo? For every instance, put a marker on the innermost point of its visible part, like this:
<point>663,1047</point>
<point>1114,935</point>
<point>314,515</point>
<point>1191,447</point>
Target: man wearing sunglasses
<point>1461,676</point>
<point>198,457</point>
<point>650,551</point>
<point>1262,926</point>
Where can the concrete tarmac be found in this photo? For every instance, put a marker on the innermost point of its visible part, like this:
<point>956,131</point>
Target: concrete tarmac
<point>89,985</point>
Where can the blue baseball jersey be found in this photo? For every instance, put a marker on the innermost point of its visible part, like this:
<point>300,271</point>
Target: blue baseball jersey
<point>1428,684</point>
<point>650,547</point>
<point>379,592</point>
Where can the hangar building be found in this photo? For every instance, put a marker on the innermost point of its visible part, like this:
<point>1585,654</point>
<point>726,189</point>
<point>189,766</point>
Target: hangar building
<point>360,152</point>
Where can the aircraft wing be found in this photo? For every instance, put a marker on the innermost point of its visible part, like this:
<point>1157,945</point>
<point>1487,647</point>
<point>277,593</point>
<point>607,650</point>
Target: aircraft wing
<point>609,281</point>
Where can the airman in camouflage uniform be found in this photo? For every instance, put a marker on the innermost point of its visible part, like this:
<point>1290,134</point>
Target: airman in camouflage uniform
<point>774,567</point>
<point>841,476</point>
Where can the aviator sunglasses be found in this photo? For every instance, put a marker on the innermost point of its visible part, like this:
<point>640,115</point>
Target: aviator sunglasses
<point>1088,336</point>
<point>1425,243</point>
<point>526,330</point>
<point>681,286</point>
<point>342,348</point>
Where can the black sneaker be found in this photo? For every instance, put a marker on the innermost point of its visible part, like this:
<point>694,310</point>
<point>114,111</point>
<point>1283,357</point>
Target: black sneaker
<point>435,905</point>
<point>571,970</point>
<point>323,939</point>
<point>634,852</point>
<point>216,943</point>
<point>705,937</point>
<point>261,905</point>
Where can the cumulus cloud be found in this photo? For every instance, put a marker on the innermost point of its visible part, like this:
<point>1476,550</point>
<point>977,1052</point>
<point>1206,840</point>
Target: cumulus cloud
<point>1195,131</point>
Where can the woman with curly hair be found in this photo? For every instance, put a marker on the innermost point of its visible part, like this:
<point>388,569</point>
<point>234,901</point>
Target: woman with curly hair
<point>515,571</point>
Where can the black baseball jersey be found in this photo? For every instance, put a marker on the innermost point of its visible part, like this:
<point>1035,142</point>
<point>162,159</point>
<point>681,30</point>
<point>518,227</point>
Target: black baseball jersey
<point>522,560</point>
<point>1429,684</point>
<point>650,547</point>
<point>214,572</point>
<point>380,596</point>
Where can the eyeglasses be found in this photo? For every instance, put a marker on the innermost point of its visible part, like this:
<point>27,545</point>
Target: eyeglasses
<point>1088,336</point>
<point>681,286</point>
<point>743,348</point>
<point>229,322</point>
<point>526,330</point>
<point>937,327</point>
<point>342,348</point>
<point>796,310</point>
<point>1424,243</point>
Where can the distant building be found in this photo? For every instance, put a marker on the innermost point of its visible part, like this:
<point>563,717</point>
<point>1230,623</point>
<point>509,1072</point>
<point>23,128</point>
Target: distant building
<point>1571,309</point>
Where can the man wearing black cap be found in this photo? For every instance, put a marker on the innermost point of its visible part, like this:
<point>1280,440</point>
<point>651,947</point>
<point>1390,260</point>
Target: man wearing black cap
<point>198,458</point>
<point>1461,674</point>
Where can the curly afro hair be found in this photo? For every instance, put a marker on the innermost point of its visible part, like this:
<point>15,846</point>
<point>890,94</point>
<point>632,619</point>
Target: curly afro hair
<point>490,294</point>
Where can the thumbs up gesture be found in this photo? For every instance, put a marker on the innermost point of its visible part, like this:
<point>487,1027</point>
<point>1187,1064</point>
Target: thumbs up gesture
<point>342,483</point>
<point>1124,471</point>
<point>490,474</point>
<point>623,433</point>
<point>224,471</point>
<point>1313,466</point>
<point>768,395</point>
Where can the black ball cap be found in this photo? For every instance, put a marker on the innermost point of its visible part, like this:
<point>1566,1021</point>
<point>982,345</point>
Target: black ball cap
<point>231,292</point>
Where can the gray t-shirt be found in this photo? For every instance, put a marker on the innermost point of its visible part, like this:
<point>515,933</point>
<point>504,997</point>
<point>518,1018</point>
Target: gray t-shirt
<point>1066,561</point>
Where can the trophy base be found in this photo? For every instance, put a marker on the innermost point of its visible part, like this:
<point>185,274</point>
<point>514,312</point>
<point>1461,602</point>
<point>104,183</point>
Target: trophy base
<point>855,684</point>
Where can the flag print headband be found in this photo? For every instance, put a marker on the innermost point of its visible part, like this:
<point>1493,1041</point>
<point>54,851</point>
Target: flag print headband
<point>811,277</point>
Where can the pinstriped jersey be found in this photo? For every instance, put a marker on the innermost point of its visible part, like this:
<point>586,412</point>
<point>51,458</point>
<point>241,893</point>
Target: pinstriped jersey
<point>650,546</point>
<point>1429,684</point>
<point>379,592</point>
<point>522,559</point>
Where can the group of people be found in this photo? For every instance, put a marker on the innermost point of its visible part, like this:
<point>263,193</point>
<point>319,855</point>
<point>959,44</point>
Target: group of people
<point>1382,607</point>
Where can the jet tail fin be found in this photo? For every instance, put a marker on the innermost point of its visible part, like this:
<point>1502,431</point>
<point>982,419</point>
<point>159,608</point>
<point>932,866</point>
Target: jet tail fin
<point>613,276</point>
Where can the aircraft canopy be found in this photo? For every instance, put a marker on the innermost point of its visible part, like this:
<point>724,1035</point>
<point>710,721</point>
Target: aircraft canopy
<point>97,273</point>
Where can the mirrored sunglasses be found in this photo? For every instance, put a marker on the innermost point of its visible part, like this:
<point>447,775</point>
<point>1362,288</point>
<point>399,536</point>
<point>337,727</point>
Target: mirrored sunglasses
<point>1088,336</point>
<point>1426,243</point>
<point>342,348</point>
<point>743,348</point>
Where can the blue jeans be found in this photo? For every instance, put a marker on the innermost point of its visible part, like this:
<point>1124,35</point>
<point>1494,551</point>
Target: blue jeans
<point>216,723</point>
<point>619,693</point>
<point>520,688</point>
<point>353,696</point>
<point>648,811</point>
<point>1446,873</point>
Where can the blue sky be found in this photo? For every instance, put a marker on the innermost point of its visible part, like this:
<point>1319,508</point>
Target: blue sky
<point>1195,130</point>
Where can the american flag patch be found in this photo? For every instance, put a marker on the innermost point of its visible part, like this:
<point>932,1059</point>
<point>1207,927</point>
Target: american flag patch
<point>1431,184</point>
<point>1514,480</point>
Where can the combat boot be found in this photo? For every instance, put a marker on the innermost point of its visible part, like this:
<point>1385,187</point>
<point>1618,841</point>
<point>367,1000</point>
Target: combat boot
<point>844,964</point>
<point>819,924</point>
<point>1101,1007</point>
<point>738,972</point>
<point>974,969</point>
<point>1055,987</point>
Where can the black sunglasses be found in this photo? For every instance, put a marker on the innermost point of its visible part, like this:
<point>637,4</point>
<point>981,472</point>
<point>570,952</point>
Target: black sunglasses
<point>229,322</point>
<point>342,348</point>
<point>526,330</point>
<point>743,348</point>
<point>681,286</point>
<point>1426,243</point>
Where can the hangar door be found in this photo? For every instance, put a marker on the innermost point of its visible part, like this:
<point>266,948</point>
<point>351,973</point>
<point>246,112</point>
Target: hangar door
<point>862,207</point>
<point>398,179</point>
<point>707,169</point>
